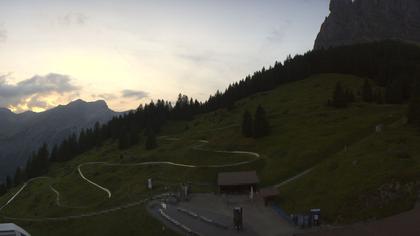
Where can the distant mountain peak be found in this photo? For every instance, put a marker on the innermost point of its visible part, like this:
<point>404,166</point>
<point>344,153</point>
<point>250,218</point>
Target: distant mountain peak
<point>23,133</point>
<point>5,110</point>
<point>77,101</point>
<point>82,103</point>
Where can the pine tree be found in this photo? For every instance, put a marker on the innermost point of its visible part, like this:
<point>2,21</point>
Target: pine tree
<point>134,137</point>
<point>413,113</point>
<point>247,124</point>
<point>378,97</point>
<point>339,97</point>
<point>367,91</point>
<point>43,160</point>
<point>349,96</point>
<point>9,183</point>
<point>124,141</point>
<point>150,140</point>
<point>3,189</point>
<point>394,92</point>
<point>261,125</point>
<point>54,154</point>
<point>97,134</point>
<point>29,168</point>
<point>18,177</point>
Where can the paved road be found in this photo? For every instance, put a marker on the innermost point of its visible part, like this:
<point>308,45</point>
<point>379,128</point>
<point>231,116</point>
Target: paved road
<point>258,219</point>
<point>405,224</point>
<point>197,225</point>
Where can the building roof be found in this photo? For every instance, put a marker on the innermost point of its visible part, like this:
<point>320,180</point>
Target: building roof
<point>237,178</point>
<point>12,227</point>
<point>269,192</point>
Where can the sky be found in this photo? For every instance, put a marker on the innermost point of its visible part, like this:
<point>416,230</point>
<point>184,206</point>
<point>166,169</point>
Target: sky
<point>129,52</point>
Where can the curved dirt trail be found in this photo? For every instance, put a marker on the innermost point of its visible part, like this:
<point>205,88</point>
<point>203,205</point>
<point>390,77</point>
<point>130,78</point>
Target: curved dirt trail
<point>294,178</point>
<point>20,190</point>
<point>255,156</point>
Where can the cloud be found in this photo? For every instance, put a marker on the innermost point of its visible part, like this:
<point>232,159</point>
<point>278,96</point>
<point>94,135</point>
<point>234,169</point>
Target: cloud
<point>276,36</point>
<point>73,18</point>
<point>197,57</point>
<point>137,94</point>
<point>3,34</point>
<point>38,92</point>
<point>44,84</point>
<point>106,96</point>
<point>36,101</point>
<point>279,33</point>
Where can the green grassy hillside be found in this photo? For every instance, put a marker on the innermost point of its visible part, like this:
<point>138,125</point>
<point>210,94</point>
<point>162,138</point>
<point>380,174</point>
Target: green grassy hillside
<point>376,177</point>
<point>305,133</point>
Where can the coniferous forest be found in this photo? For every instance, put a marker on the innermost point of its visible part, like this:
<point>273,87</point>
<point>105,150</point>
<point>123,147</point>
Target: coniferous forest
<point>389,65</point>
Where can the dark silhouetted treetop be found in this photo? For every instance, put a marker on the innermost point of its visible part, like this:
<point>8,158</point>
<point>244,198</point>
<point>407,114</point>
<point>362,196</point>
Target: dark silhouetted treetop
<point>261,125</point>
<point>151,142</point>
<point>413,114</point>
<point>247,124</point>
<point>367,91</point>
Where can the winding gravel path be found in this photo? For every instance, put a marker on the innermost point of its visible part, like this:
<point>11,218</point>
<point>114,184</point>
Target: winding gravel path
<point>255,156</point>
<point>20,190</point>
<point>294,177</point>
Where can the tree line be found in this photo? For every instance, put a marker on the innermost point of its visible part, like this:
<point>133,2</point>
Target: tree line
<point>392,65</point>
<point>257,126</point>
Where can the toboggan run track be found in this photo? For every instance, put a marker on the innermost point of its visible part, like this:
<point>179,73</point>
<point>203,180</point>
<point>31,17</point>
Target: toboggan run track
<point>255,156</point>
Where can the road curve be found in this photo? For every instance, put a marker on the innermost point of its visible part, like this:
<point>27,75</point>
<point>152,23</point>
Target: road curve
<point>169,163</point>
<point>91,182</point>
<point>255,156</point>
<point>20,190</point>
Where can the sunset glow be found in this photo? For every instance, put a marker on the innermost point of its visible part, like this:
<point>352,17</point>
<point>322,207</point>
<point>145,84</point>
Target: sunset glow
<point>158,48</point>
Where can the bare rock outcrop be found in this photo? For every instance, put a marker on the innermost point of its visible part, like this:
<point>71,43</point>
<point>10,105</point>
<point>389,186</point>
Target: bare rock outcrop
<point>360,21</point>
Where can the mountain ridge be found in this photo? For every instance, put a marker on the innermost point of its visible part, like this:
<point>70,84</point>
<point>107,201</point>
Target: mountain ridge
<point>71,103</point>
<point>24,132</point>
<point>358,21</point>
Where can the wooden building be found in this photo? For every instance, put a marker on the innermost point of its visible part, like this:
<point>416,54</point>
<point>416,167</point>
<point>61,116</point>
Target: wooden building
<point>237,182</point>
<point>269,194</point>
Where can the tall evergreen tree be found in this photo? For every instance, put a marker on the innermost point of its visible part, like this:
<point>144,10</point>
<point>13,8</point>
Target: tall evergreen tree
<point>3,189</point>
<point>247,124</point>
<point>18,177</point>
<point>261,125</point>
<point>394,92</point>
<point>349,96</point>
<point>124,141</point>
<point>378,96</point>
<point>43,160</point>
<point>134,137</point>
<point>9,182</point>
<point>54,153</point>
<point>29,169</point>
<point>38,164</point>
<point>367,91</point>
<point>151,142</point>
<point>339,99</point>
<point>413,114</point>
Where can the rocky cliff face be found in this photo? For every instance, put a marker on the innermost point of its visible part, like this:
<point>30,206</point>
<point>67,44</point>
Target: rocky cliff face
<point>360,21</point>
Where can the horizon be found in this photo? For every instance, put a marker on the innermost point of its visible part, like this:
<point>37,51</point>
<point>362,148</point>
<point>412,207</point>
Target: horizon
<point>68,103</point>
<point>199,117</point>
<point>55,52</point>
